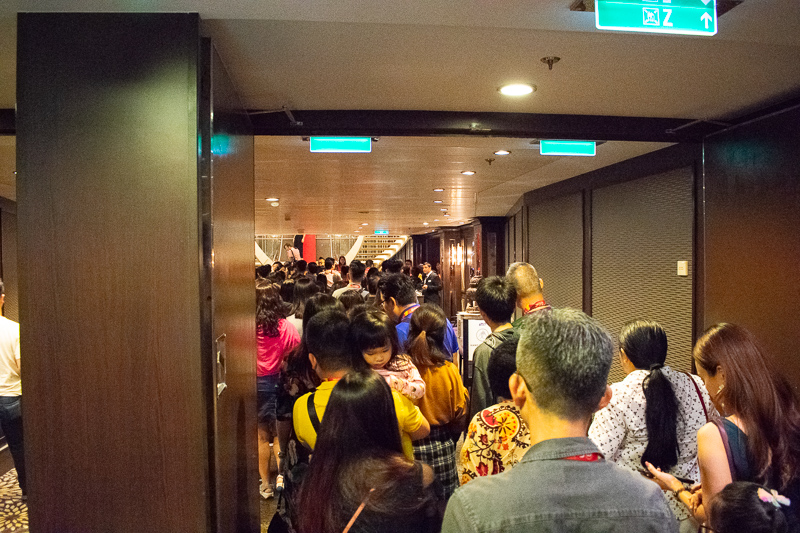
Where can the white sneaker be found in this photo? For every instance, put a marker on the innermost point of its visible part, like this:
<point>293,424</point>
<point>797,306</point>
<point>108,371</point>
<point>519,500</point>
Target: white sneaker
<point>266,491</point>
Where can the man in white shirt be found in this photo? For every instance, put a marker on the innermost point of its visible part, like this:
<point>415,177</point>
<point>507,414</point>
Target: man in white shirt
<point>292,253</point>
<point>355,275</point>
<point>11,392</point>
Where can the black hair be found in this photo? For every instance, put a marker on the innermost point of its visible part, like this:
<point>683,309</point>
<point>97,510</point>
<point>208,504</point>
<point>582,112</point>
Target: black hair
<point>358,438</point>
<point>325,336</point>
<point>329,262</point>
<point>351,298</point>
<point>322,282</point>
<point>304,288</point>
<point>368,263</point>
<point>392,266</point>
<point>280,275</point>
<point>357,270</point>
<point>301,266</point>
<point>373,329</point>
<point>406,270</point>
<point>313,269</point>
<point>645,345</point>
<point>263,271</point>
<point>399,287</point>
<point>426,334</point>
<point>502,363</point>
<point>737,508</point>
<point>317,304</point>
<point>497,298</point>
<point>287,291</point>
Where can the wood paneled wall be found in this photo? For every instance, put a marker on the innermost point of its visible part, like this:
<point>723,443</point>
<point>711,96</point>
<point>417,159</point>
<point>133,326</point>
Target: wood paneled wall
<point>115,412</point>
<point>752,243</point>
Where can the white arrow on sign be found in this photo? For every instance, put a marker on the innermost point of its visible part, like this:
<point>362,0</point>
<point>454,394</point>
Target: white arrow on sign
<point>706,18</point>
<point>705,2</point>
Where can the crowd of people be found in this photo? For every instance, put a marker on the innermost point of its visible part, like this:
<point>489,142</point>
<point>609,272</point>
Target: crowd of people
<point>362,403</point>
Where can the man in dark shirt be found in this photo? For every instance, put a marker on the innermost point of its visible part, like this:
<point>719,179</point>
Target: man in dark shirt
<point>431,285</point>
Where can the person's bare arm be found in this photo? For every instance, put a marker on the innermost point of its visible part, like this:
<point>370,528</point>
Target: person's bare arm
<point>422,431</point>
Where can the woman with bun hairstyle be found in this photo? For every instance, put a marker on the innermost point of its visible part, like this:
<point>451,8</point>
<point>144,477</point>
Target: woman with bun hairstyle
<point>654,413</point>
<point>444,404</point>
<point>759,438</point>
<point>359,480</point>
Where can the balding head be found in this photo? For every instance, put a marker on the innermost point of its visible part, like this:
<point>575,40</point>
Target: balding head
<point>525,280</point>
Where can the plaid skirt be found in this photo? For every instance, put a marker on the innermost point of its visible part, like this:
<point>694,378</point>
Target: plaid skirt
<point>438,450</point>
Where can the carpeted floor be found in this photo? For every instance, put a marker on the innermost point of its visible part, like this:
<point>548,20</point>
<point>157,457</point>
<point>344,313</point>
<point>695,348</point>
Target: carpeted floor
<point>13,511</point>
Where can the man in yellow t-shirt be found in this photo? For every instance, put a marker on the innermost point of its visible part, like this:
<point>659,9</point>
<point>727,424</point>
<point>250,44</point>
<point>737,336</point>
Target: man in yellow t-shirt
<point>331,359</point>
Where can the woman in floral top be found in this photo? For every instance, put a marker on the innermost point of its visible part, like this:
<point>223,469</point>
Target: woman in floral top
<point>497,437</point>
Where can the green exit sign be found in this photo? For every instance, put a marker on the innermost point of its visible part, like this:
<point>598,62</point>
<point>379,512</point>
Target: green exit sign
<point>686,17</point>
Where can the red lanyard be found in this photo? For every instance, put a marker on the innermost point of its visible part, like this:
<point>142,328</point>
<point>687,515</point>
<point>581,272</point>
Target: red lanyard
<point>586,458</point>
<point>534,306</point>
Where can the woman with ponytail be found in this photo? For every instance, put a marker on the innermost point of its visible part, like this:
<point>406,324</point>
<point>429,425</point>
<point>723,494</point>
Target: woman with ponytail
<point>444,404</point>
<point>654,413</point>
<point>759,438</point>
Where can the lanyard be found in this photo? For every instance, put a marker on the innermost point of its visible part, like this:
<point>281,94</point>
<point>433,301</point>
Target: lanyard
<point>585,458</point>
<point>408,311</point>
<point>536,305</point>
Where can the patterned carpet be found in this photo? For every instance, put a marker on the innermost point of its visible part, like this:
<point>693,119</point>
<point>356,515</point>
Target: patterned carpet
<point>13,511</point>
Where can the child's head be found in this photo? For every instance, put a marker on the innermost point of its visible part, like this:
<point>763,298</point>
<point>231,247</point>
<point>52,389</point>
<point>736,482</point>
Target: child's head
<point>373,334</point>
<point>426,334</point>
<point>745,507</point>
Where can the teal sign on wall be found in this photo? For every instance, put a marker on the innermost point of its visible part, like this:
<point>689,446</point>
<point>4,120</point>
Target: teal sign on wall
<point>686,17</point>
<point>357,145</point>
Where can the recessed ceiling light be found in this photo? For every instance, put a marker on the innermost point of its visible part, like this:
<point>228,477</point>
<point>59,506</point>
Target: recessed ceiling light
<point>438,189</point>
<point>365,223</point>
<point>437,201</point>
<point>275,204</point>
<point>468,172</point>
<point>517,89</point>
<point>447,214</point>
<point>424,223</point>
<point>272,199</point>
<point>442,209</point>
<point>436,220</point>
<point>502,152</point>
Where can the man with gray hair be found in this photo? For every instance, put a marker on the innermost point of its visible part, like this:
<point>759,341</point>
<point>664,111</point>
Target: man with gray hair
<point>529,285</point>
<point>562,483</point>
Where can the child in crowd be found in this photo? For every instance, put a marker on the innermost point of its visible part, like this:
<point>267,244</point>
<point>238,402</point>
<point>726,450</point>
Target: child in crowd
<point>745,507</point>
<point>445,404</point>
<point>373,334</point>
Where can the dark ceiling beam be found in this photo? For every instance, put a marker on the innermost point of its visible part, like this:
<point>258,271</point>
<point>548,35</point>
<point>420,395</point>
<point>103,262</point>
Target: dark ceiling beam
<point>526,125</point>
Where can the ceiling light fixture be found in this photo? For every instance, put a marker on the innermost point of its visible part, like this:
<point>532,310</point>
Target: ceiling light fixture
<point>502,152</point>
<point>275,204</point>
<point>437,201</point>
<point>517,89</point>
<point>438,189</point>
<point>272,199</point>
<point>365,223</point>
<point>468,172</point>
<point>446,214</point>
<point>442,209</point>
<point>436,220</point>
<point>424,223</point>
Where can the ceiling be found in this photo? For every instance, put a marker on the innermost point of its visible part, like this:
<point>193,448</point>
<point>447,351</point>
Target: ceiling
<point>451,55</point>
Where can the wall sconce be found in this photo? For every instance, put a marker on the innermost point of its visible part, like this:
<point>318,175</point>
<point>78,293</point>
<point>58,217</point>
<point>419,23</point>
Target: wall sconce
<point>453,257</point>
<point>460,254</point>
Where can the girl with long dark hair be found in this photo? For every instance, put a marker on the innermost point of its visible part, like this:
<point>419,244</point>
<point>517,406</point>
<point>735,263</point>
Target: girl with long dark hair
<point>654,413</point>
<point>276,338</point>
<point>304,288</point>
<point>359,477</point>
<point>759,438</point>
<point>444,404</point>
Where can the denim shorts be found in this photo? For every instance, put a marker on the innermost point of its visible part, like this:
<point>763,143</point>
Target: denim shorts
<point>267,400</point>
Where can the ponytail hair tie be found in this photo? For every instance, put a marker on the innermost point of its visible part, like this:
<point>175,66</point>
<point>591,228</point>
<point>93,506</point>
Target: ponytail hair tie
<point>774,498</point>
<point>657,366</point>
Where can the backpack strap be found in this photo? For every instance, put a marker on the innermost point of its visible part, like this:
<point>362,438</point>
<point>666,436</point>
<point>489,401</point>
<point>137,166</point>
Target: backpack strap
<point>312,413</point>
<point>699,394</point>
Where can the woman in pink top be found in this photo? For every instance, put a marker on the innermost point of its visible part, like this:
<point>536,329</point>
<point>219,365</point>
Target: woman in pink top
<point>276,338</point>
